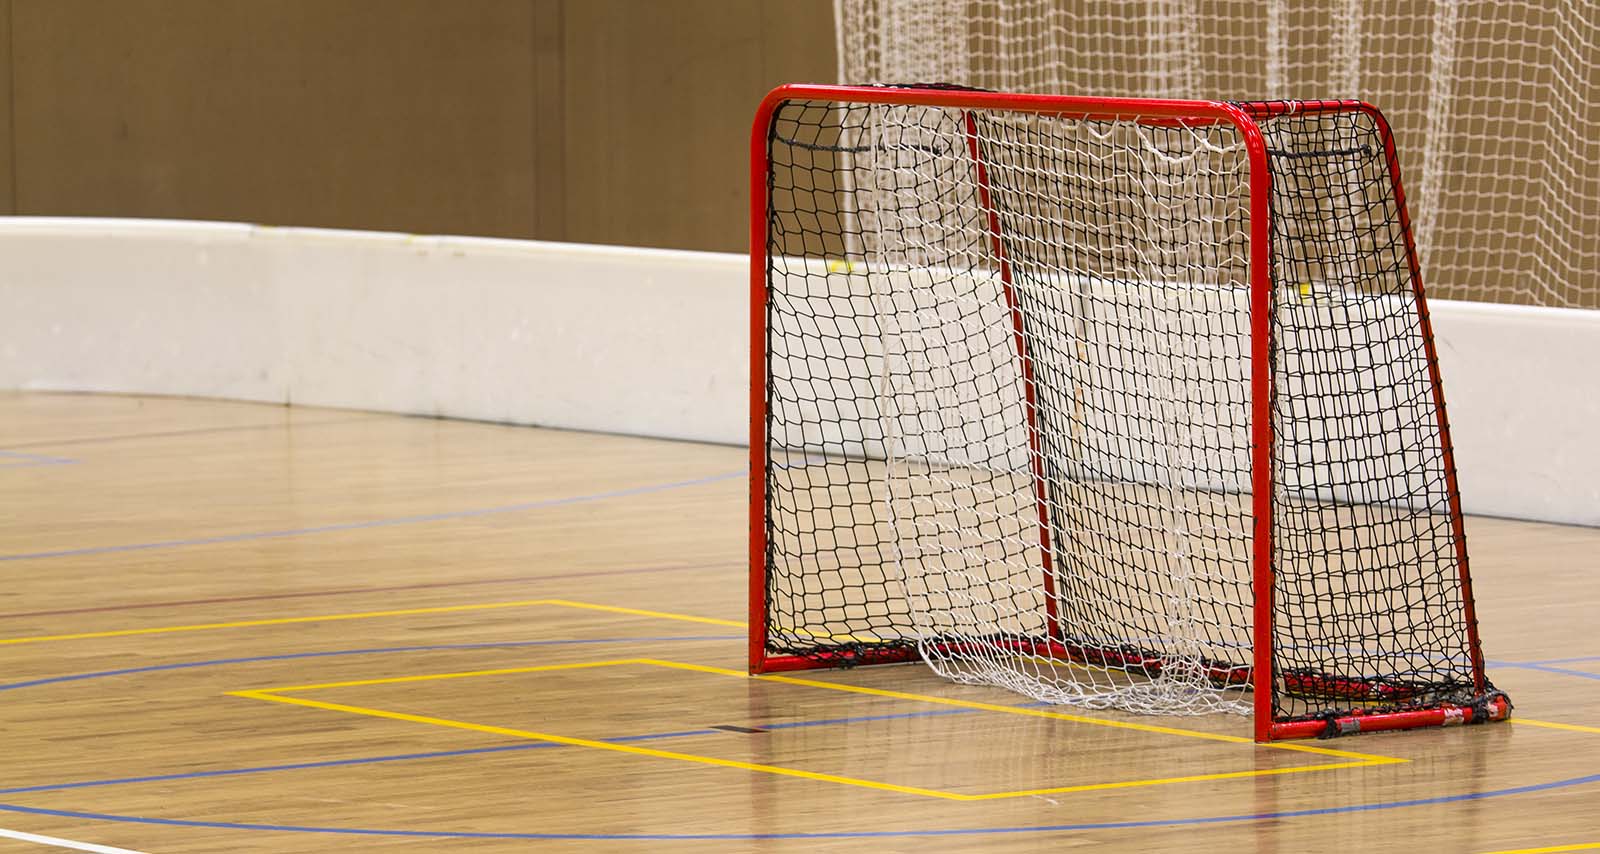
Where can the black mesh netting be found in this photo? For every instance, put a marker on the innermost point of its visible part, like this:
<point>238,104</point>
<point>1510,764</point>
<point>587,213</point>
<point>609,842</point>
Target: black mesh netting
<point>1008,410</point>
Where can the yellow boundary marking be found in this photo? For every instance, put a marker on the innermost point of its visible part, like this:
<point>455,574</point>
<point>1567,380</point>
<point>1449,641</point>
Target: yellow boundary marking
<point>690,618</point>
<point>276,695</point>
<point>1582,846</point>
<point>636,612</point>
<point>1360,759</point>
<point>1554,725</point>
<point>367,615</point>
<point>1364,758</point>
<point>601,745</point>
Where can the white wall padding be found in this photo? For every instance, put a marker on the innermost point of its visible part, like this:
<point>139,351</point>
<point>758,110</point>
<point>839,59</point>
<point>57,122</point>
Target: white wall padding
<point>1522,386</point>
<point>639,341</point>
<point>648,342</point>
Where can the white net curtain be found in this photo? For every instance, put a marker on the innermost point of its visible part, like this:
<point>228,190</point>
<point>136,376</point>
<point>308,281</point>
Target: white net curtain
<point>1493,101</point>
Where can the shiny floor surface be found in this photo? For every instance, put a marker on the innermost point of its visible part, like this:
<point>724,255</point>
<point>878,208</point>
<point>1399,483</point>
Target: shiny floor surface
<point>230,627</point>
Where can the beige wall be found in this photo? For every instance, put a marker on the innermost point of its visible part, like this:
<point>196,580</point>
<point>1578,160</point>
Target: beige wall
<point>608,121</point>
<point>7,164</point>
<point>659,97</point>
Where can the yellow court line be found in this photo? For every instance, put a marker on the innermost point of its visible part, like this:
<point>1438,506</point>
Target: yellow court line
<point>1366,758</point>
<point>1362,758</point>
<point>366,615</point>
<point>275,695</point>
<point>276,621</point>
<point>664,615</point>
<point>428,677</point>
<point>1554,725</point>
<point>601,745</point>
<point>1162,781</point>
<point>1582,846</point>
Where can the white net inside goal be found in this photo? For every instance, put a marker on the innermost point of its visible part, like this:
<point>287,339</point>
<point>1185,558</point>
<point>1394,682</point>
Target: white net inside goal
<point>1008,410</point>
<point>1141,413</point>
<point>1494,102</point>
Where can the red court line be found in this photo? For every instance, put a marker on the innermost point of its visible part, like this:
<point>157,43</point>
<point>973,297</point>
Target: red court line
<point>430,585</point>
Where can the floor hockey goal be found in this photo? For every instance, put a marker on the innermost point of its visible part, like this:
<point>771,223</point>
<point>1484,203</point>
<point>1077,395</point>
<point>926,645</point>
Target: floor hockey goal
<point>1119,403</point>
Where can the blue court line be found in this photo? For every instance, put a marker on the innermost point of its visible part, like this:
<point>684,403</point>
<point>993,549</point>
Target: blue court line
<point>414,756</point>
<point>1565,660</point>
<point>260,769</point>
<point>442,754</point>
<point>27,460</point>
<point>334,763</point>
<point>218,662</point>
<point>841,834</point>
<point>1545,668</point>
<point>939,713</point>
<point>195,431</point>
<point>17,808</point>
<point>378,523</point>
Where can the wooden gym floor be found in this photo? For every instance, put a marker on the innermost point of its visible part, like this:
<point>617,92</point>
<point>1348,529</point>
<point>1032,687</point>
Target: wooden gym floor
<point>240,628</point>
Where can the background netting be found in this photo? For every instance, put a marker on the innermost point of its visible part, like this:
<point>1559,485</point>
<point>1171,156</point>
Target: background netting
<point>1496,103</point>
<point>1047,486</point>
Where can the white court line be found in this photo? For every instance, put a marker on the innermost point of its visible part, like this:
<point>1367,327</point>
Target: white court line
<point>58,842</point>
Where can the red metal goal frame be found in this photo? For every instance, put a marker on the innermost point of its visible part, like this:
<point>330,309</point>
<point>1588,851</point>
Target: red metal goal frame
<point>1155,111</point>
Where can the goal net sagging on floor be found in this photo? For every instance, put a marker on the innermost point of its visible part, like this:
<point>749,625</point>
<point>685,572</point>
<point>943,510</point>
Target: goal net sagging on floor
<point>1115,403</point>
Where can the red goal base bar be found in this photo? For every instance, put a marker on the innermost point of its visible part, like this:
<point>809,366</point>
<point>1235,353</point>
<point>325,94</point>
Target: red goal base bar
<point>1498,708</point>
<point>1495,707</point>
<point>842,659</point>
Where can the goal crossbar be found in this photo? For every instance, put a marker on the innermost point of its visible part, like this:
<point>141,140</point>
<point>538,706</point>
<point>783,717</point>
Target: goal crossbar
<point>1353,703</point>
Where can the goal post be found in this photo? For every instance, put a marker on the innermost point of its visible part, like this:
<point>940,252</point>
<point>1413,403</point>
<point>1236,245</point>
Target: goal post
<point>1121,403</point>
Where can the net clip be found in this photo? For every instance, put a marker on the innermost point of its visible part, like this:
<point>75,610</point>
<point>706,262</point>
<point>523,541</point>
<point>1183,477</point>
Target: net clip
<point>1484,709</point>
<point>1336,724</point>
